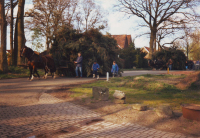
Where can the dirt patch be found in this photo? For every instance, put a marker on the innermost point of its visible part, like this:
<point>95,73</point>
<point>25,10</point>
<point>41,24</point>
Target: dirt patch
<point>181,72</point>
<point>186,82</point>
<point>120,113</point>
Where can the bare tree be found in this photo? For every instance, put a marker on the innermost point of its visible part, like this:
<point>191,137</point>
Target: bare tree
<point>9,6</point>
<point>93,15</point>
<point>78,22</point>
<point>12,6</point>
<point>49,15</point>
<point>3,25</point>
<point>20,33</point>
<point>155,12</point>
<point>190,42</point>
<point>11,32</point>
<point>194,46</point>
<point>15,50</point>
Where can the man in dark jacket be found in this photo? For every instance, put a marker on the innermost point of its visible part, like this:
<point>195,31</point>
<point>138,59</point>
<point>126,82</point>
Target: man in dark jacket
<point>170,62</point>
<point>79,64</point>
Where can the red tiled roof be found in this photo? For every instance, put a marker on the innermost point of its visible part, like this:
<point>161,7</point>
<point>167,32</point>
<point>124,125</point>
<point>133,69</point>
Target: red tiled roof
<point>129,39</point>
<point>147,48</point>
<point>123,41</point>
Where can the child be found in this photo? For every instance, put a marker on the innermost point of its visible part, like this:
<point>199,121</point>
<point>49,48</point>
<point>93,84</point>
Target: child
<point>186,65</point>
<point>114,69</point>
<point>95,68</point>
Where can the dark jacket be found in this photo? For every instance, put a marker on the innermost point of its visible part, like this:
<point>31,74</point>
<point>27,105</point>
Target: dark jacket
<point>79,61</point>
<point>95,66</point>
<point>170,62</point>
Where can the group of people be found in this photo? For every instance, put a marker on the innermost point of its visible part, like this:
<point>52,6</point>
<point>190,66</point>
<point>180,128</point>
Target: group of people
<point>195,65</point>
<point>95,67</point>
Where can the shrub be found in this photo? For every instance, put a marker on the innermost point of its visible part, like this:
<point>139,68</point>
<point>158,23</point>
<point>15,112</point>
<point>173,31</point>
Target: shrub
<point>134,57</point>
<point>92,44</point>
<point>178,57</point>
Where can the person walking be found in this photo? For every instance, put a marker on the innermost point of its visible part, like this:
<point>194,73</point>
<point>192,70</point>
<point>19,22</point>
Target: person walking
<point>170,62</point>
<point>114,69</point>
<point>95,68</point>
<point>186,65</point>
<point>79,65</point>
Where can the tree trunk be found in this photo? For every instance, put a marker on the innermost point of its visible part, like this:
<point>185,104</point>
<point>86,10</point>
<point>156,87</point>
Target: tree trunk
<point>3,56</point>
<point>154,45</point>
<point>47,43</point>
<point>187,50</point>
<point>15,44</point>
<point>20,26</point>
<point>11,35</point>
<point>152,40</point>
<point>86,27</point>
<point>0,32</point>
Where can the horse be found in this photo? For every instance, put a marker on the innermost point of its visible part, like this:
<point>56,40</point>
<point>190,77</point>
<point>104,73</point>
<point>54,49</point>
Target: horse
<point>51,65</point>
<point>36,61</point>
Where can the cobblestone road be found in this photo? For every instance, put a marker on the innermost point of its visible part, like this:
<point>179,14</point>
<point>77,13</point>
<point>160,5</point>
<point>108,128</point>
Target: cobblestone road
<point>51,114</point>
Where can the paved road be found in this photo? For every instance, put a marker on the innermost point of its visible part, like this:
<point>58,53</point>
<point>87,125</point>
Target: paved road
<point>142,72</point>
<point>22,91</point>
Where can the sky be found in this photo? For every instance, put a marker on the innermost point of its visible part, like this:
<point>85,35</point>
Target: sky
<point>118,23</point>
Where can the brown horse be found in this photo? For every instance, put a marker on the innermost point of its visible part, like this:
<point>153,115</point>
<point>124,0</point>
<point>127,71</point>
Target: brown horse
<point>36,61</point>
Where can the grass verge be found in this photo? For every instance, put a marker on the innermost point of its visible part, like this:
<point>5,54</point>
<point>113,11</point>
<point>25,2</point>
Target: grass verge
<point>17,72</point>
<point>147,89</point>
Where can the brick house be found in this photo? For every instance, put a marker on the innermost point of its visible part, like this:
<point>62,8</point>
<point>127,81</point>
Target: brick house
<point>123,41</point>
<point>147,49</point>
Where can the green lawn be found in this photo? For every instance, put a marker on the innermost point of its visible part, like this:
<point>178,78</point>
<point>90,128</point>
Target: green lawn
<point>147,89</point>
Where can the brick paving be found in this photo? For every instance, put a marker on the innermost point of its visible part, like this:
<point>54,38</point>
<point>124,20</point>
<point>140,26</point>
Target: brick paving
<point>51,114</point>
<point>48,114</point>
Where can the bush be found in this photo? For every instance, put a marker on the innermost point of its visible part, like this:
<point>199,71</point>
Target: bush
<point>92,44</point>
<point>134,57</point>
<point>178,57</point>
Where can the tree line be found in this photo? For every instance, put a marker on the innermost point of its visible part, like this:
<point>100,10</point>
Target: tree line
<point>44,19</point>
<point>47,18</point>
<point>17,40</point>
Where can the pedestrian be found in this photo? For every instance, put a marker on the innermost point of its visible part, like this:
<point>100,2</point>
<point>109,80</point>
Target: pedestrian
<point>170,62</point>
<point>95,68</point>
<point>79,65</point>
<point>114,69</point>
<point>186,65</point>
<point>194,67</point>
